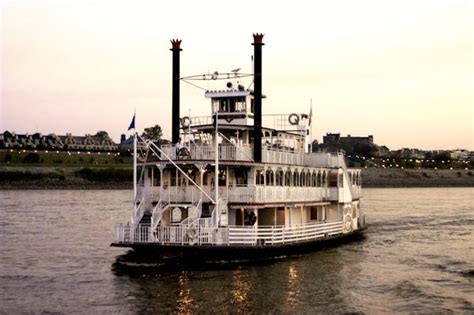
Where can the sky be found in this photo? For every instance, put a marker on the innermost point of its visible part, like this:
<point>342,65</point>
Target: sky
<point>399,70</point>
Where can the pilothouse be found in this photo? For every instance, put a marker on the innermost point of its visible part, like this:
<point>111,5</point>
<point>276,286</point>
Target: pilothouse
<point>238,184</point>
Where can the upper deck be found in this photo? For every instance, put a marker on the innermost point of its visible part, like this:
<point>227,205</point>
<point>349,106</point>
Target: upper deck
<point>234,154</point>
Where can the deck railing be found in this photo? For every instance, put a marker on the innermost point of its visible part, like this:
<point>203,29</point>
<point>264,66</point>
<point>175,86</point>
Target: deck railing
<point>245,153</point>
<point>232,235</point>
<point>244,194</point>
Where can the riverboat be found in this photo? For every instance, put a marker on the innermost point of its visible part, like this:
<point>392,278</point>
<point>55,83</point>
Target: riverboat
<point>238,184</point>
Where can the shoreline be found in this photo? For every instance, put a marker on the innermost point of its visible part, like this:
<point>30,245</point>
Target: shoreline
<point>74,178</point>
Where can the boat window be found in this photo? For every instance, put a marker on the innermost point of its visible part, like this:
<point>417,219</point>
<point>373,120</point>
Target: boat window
<point>332,180</point>
<point>252,106</point>
<point>240,104</point>
<point>222,177</point>
<point>280,178</point>
<point>296,178</point>
<point>156,178</point>
<point>224,105</point>
<point>259,177</point>
<point>172,177</point>
<point>269,178</point>
<point>287,178</point>
<point>241,176</point>
<point>232,104</point>
<point>215,105</point>
<point>314,214</point>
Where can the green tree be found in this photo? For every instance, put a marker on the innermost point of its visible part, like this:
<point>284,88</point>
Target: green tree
<point>152,133</point>
<point>102,134</point>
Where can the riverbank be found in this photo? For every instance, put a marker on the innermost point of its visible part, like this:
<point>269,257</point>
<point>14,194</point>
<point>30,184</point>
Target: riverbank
<point>30,178</point>
<point>18,177</point>
<point>391,178</point>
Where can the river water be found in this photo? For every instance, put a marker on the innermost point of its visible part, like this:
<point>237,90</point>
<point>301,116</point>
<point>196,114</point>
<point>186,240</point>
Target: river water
<point>418,256</point>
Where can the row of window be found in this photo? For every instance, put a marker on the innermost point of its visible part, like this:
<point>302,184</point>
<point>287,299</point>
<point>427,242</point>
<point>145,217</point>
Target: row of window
<point>296,179</point>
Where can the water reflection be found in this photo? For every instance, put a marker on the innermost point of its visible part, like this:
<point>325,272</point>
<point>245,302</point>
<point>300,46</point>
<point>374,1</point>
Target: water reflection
<point>185,301</point>
<point>292,297</point>
<point>316,281</point>
<point>240,291</point>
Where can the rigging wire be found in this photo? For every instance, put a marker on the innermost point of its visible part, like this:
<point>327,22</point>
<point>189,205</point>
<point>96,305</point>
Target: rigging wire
<point>195,85</point>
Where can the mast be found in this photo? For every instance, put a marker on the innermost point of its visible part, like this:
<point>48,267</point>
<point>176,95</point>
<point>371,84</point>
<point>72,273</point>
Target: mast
<point>135,165</point>
<point>310,128</point>
<point>216,180</point>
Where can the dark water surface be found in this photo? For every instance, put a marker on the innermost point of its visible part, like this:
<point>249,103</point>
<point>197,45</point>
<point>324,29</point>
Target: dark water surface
<point>418,256</point>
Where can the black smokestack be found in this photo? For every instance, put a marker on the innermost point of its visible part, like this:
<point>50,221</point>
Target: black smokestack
<point>257,83</point>
<point>175,103</point>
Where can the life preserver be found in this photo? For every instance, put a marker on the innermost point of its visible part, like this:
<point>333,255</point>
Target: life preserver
<point>294,119</point>
<point>192,233</point>
<point>185,121</point>
<point>347,225</point>
<point>183,153</point>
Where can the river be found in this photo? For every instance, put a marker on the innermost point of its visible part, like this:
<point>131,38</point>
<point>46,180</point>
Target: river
<point>417,256</point>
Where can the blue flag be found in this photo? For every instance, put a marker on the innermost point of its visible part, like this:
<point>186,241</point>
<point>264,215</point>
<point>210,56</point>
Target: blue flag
<point>132,123</point>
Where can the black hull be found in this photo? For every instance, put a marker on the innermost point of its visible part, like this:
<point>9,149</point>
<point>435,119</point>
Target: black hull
<point>234,253</point>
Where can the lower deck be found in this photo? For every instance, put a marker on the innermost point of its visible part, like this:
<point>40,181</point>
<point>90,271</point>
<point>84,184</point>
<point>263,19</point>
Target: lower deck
<point>202,233</point>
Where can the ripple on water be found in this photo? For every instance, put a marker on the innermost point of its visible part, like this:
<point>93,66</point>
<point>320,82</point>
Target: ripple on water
<point>417,257</point>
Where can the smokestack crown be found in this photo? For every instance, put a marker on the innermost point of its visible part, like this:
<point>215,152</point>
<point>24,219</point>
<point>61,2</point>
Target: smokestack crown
<point>258,38</point>
<point>176,43</point>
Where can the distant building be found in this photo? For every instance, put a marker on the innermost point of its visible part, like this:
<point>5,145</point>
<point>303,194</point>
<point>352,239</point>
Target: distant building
<point>11,140</point>
<point>334,138</point>
<point>460,154</point>
<point>408,153</point>
<point>382,151</point>
<point>126,144</point>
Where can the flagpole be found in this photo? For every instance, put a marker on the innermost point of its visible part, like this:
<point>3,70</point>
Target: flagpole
<point>217,166</point>
<point>135,165</point>
<point>310,127</point>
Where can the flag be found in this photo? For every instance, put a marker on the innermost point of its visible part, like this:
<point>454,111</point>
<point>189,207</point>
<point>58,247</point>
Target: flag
<point>132,123</point>
<point>310,115</point>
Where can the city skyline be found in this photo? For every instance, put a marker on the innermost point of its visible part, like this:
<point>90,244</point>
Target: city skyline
<point>400,71</point>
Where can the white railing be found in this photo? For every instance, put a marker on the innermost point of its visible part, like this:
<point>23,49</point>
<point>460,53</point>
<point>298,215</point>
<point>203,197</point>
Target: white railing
<point>205,233</point>
<point>139,211</point>
<point>245,153</point>
<point>245,194</point>
<point>272,235</point>
<point>126,233</point>
<point>356,191</point>
<point>207,152</point>
<point>157,214</point>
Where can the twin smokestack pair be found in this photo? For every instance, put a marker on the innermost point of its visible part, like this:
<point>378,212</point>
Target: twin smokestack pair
<point>257,94</point>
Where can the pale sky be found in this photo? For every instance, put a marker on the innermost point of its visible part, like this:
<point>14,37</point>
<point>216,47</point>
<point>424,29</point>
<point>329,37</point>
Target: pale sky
<point>400,70</point>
